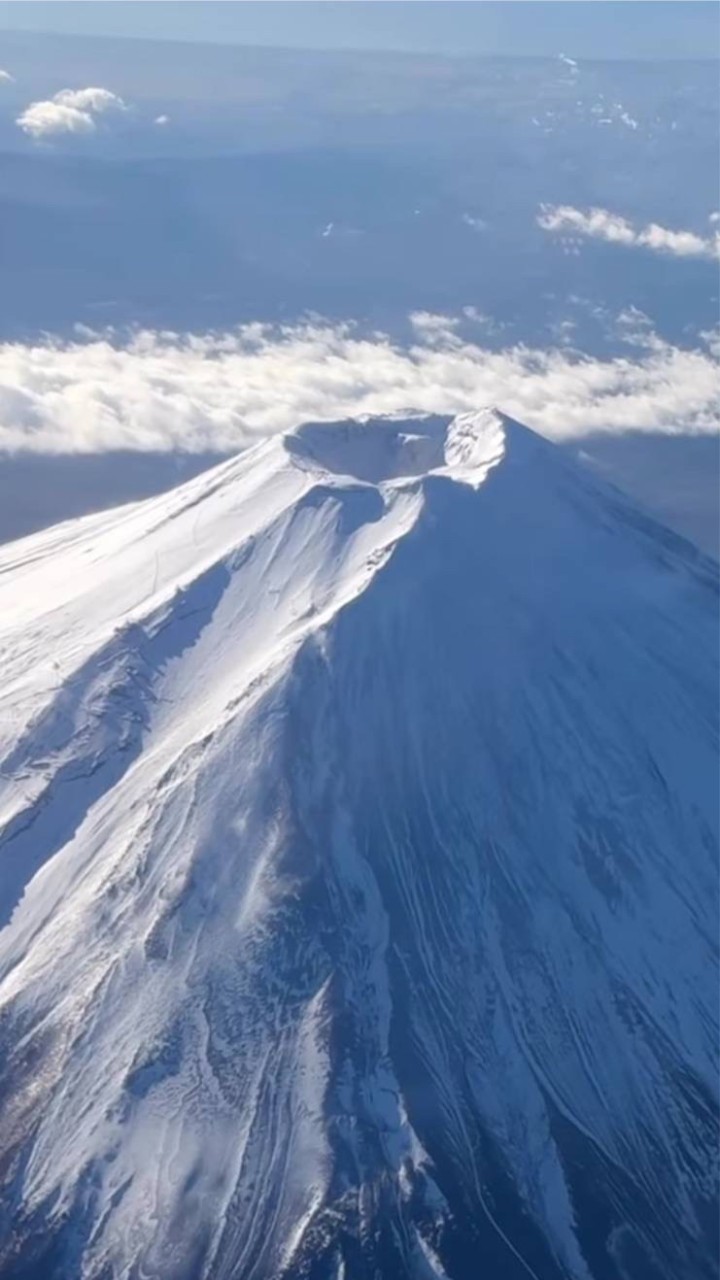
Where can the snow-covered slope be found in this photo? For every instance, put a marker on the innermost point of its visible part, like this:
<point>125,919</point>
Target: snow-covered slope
<point>359,832</point>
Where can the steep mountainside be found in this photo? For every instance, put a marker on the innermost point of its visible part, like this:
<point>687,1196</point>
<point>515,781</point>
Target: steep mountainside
<point>358,874</point>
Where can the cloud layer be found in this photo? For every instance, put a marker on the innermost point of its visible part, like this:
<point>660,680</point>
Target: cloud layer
<point>162,391</point>
<point>69,111</point>
<point>600,224</point>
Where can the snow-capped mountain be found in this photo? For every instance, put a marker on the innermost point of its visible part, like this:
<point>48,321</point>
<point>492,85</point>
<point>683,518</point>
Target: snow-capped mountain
<point>359,834</point>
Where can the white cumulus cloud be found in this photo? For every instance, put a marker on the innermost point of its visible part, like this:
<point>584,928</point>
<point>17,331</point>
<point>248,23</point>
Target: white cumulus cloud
<point>44,119</point>
<point>164,391</point>
<point>601,224</point>
<point>93,99</point>
<point>69,111</point>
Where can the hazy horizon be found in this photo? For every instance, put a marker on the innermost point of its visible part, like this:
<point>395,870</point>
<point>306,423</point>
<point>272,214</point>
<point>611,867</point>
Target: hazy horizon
<point>595,29</point>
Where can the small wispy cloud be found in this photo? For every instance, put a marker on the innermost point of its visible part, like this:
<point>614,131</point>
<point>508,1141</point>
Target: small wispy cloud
<point>197,392</point>
<point>340,231</point>
<point>6,78</point>
<point>601,224</point>
<point>69,111</point>
<point>476,224</point>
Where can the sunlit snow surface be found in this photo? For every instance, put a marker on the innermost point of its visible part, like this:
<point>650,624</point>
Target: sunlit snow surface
<point>359,834</point>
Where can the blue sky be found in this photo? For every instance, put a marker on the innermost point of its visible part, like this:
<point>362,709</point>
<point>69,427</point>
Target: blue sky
<point>585,28</point>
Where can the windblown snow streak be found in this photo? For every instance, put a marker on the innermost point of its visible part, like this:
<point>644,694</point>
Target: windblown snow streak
<point>359,821</point>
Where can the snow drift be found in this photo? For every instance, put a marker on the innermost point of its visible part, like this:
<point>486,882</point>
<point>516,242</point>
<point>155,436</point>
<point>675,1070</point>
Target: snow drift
<point>359,828</point>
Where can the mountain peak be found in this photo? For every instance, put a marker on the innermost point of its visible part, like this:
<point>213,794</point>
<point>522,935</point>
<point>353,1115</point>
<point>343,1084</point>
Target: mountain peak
<point>398,447</point>
<point>358,822</point>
